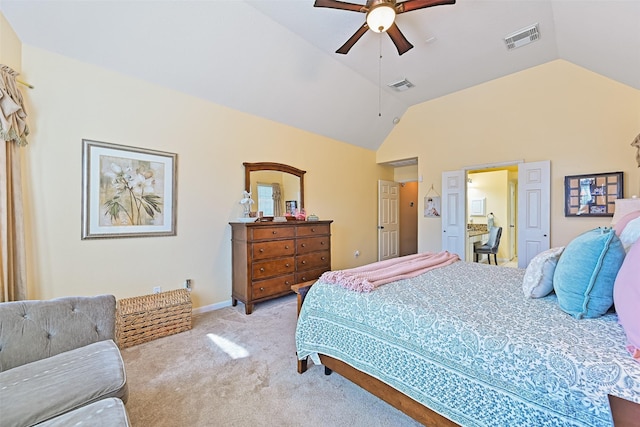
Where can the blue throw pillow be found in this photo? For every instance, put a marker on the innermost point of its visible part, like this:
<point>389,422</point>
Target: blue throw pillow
<point>586,271</point>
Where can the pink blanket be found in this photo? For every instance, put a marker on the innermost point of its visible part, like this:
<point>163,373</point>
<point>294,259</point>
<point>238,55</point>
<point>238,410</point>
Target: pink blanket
<point>370,276</point>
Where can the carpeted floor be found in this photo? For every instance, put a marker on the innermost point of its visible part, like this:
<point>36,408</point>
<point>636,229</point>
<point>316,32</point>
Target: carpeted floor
<point>237,370</point>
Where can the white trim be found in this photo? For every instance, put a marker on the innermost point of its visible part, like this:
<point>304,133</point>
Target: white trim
<point>493,165</point>
<point>212,307</point>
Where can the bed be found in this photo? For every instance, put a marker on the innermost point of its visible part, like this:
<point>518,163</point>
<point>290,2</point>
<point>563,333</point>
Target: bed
<point>462,345</point>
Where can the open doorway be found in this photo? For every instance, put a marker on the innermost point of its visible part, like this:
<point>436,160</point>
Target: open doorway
<point>492,200</point>
<point>533,210</point>
<point>405,211</point>
<point>408,218</point>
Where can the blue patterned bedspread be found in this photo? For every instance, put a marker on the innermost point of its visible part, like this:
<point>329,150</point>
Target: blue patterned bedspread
<point>464,341</point>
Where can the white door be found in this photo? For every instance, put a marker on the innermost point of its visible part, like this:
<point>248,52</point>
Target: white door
<point>512,219</point>
<point>534,201</point>
<point>388,213</point>
<point>454,225</point>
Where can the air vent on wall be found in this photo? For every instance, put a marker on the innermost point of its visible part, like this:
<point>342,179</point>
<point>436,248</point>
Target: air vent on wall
<point>401,85</point>
<point>522,37</point>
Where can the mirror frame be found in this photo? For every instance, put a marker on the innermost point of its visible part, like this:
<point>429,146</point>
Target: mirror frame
<point>270,166</point>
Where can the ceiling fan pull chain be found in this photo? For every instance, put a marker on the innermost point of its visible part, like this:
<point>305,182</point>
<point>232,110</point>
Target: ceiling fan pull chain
<point>380,75</point>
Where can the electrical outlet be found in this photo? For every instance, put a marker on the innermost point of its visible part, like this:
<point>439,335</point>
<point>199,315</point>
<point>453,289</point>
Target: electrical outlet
<point>187,284</point>
<point>157,289</point>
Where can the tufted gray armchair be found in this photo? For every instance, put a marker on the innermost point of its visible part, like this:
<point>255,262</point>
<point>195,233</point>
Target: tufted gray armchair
<point>57,356</point>
<point>32,330</point>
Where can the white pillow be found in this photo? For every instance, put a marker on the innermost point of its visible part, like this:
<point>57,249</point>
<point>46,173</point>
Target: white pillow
<point>630,234</point>
<point>538,278</point>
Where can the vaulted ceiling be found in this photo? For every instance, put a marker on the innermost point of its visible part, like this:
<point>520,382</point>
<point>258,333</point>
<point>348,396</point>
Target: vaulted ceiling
<point>276,58</point>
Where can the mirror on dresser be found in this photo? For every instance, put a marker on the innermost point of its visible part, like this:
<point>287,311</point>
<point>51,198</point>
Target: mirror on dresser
<point>267,179</point>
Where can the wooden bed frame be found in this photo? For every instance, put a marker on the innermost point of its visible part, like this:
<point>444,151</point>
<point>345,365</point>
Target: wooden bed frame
<point>398,400</point>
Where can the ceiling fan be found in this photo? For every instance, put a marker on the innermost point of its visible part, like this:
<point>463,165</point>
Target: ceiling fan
<point>380,17</point>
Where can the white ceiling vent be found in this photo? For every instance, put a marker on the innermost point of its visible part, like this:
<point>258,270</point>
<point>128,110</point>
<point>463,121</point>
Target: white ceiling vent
<point>522,37</point>
<point>401,85</point>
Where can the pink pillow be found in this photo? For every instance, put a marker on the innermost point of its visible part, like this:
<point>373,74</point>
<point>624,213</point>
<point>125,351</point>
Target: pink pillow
<point>626,297</point>
<point>620,225</point>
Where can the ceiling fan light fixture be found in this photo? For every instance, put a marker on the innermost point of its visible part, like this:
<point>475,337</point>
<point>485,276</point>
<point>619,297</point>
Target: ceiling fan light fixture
<point>381,15</point>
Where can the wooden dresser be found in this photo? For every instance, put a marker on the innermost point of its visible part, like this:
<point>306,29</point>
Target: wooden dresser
<point>269,257</point>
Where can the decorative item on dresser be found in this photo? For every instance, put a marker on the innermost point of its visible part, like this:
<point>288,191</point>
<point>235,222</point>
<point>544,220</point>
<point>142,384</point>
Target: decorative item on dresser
<point>269,257</point>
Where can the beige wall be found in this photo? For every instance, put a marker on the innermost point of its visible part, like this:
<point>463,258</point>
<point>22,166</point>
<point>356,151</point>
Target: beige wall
<point>10,46</point>
<point>581,121</point>
<point>74,100</point>
<point>405,173</point>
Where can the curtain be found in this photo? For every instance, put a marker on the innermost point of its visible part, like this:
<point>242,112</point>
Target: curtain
<point>636,143</point>
<point>13,132</point>
<point>277,199</point>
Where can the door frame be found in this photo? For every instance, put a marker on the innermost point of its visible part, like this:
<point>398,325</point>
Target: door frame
<point>519,163</point>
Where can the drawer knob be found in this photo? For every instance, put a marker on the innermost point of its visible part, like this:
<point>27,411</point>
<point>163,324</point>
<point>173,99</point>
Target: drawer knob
<point>286,282</point>
<point>261,250</point>
<point>322,243</point>
<point>262,269</point>
<point>323,258</point>
<point>304,262</point>
<point>286,265</point>
<point>313,230</point>
<point>304,279</point>
<point>304,245</point>
<point>262,289</point>
<point>274,232</point>
<point>286,246</point>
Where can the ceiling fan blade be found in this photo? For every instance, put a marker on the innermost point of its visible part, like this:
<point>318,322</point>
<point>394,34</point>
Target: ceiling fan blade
<point>409,5</point>
<point>335,4</point>
<point>401,42</point>
<point>353,39</point>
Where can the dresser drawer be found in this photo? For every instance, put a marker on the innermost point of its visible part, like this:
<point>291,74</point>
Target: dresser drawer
<point>273,267</point>
<point>268,287</point>
<point>313,260</point>
<point>312,244</point>
<point>311,230</point>
<point>305,276</point>
<point>263,233</point>
<point>273,249</point>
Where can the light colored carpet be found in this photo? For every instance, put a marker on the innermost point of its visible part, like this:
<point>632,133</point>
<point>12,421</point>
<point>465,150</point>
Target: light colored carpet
<point>237,370</point>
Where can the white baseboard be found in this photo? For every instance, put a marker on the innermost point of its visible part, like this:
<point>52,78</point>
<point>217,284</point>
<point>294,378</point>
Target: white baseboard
<point>212,307</point>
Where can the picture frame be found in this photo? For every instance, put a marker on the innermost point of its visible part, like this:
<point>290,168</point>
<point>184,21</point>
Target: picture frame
<point>478,207</point>
<point>592,195</point>
<point>291,207</point>
<point>432,206</point>
<point>127,191</point>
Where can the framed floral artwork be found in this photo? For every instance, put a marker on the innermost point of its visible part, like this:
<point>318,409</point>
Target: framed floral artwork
<point>127,191</point>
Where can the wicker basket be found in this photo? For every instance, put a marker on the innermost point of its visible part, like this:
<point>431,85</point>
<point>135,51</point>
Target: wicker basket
<point>145,318</point>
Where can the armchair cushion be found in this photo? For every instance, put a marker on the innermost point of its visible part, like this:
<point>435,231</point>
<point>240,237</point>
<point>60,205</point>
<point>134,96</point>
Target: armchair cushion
<point>103,413</point>
<point>41,390</point>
